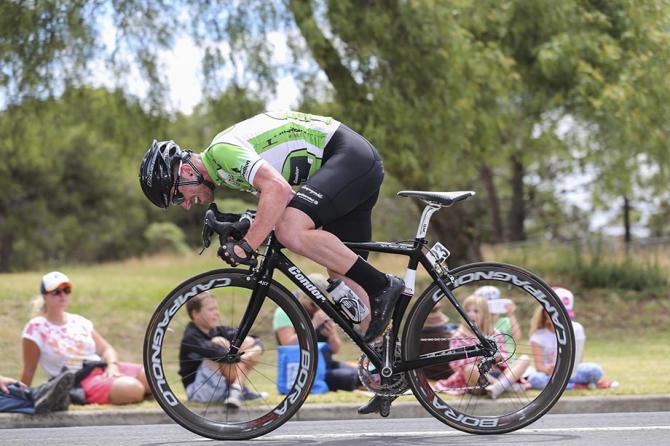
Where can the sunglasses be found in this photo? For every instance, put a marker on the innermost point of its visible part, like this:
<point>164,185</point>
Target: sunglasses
<point>177,196</point>
<point>60,291</point>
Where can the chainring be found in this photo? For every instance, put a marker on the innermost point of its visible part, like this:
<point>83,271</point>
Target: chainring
<point>396,385</point>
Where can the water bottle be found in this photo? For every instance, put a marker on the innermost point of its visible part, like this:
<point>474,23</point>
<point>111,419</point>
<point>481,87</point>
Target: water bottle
<point>350,305</point>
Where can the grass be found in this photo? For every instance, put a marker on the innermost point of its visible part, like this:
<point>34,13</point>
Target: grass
<point>626,333</point>
<point>119,297</point>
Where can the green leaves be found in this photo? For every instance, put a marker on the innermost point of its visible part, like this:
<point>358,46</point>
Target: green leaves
<point>67,194</point>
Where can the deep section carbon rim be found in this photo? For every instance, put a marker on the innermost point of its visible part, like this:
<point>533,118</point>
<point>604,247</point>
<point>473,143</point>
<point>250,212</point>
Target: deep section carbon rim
<point>462,396</point>
<point>202,408</point>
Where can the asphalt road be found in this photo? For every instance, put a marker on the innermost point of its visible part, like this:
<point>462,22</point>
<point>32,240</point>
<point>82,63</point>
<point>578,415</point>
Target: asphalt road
<point>648,428</point>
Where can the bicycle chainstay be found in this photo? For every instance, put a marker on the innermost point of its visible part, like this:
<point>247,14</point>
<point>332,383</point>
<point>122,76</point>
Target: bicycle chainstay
<point>371,379</point>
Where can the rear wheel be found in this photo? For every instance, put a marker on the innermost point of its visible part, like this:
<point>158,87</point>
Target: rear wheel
<point>469,403</point>
<point>262,407</point>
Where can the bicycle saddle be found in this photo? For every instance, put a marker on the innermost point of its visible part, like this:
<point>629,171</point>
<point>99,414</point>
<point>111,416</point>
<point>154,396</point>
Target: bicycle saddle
<point>439,198</point>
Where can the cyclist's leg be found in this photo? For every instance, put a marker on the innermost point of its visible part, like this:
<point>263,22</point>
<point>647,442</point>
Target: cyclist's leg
<point>296,231</point>
<point>351,175</point>
<point>356,226</point>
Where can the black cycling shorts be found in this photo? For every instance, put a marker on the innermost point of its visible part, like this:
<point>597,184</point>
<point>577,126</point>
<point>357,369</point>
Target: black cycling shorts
<point>340,196</point>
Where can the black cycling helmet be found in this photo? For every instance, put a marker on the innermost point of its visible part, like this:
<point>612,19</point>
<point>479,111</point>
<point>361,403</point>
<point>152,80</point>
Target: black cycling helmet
<point>157,172</point>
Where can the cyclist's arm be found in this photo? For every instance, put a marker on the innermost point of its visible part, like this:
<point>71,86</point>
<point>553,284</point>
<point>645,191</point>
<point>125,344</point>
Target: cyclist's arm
<point>274,194</point>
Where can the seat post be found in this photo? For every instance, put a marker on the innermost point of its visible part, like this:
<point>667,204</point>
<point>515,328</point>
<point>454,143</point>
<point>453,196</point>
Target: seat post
<point>428,212</point>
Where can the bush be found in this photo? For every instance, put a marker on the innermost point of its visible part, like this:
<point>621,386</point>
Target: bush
<point>625,274</point>
<point>165,237</point>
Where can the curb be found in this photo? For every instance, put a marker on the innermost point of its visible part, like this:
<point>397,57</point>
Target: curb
<point>317,412</point>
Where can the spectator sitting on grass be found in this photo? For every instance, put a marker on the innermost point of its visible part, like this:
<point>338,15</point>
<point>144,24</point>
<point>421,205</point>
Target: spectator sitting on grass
<point>584,374</point>
<point>543,345</point>
<point>56,339</point>
<point>49,397</point>
<point>435,336</point>
<point>204,344</point>
<point>339,375</point>
<point>507,325</point>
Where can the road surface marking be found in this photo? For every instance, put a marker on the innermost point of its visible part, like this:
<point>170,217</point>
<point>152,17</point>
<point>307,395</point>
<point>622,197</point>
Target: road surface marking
<point>452,432</point>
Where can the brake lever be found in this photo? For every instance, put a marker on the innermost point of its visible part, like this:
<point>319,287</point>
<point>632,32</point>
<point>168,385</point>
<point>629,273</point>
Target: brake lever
<point>207,230</point>
<point>226,225</point>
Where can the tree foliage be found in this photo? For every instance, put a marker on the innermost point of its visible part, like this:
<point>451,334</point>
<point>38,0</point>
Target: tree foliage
<point>69,189</point>
<point>461,92</point>
<point>457,94</point>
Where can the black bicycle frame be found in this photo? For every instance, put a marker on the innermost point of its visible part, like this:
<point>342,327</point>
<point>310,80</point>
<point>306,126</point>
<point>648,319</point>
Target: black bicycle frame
<point>274,258</point>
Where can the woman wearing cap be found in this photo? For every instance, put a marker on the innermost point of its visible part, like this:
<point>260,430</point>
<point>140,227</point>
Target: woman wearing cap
<point>55,339</point>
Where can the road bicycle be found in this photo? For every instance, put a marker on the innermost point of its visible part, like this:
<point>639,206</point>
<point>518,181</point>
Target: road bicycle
<point>410,356</point>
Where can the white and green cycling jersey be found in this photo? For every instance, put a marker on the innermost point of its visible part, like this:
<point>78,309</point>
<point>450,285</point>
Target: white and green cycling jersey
<point>291,142</point>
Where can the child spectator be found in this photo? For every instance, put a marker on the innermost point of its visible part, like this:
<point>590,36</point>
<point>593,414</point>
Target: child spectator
<point>204,344</point>
<point>543,346</point>
<point>584,374</point>
<point>507,325</point>
<point>502,377</point>
<point>55,339</point>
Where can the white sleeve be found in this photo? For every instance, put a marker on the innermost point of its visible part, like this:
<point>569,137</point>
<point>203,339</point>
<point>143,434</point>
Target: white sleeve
<point>33,330</point>
<point>254,170</point>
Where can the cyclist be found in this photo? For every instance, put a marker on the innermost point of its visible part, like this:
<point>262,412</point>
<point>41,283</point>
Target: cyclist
<point>339,173</point>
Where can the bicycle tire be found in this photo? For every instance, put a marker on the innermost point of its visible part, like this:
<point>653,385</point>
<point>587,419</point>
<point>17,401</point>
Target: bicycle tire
<point>213,419</point>
<point>466,408</point>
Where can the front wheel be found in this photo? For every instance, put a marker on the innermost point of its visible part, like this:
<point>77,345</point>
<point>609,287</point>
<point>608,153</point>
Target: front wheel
<point>197,393</point>
<point>496,394</point>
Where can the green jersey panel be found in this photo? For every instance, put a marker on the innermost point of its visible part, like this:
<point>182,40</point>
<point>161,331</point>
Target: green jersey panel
<point>290,142</point>
<point>231,165</point>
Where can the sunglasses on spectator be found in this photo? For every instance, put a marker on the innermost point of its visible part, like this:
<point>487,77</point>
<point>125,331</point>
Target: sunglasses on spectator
<point>61,291</point>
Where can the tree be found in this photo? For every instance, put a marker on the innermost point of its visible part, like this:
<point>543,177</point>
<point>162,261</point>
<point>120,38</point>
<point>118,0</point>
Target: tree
<point>456,94</point>
<point>48,46</point>
<point>69,170</point>
<point>618,87</point>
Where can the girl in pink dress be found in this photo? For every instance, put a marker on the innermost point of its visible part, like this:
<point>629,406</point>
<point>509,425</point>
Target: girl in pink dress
<point>502,377</point>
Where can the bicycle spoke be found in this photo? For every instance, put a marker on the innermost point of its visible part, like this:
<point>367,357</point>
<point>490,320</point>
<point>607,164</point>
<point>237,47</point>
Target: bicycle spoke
<point>255,370</point>
<point>484,393</point>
